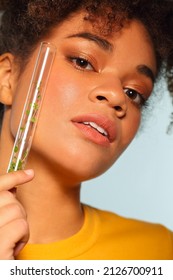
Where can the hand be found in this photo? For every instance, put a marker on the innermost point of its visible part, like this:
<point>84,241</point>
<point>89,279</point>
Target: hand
<point>14,230</point>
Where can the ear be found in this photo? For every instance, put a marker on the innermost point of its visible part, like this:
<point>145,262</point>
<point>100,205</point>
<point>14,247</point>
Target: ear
<point>6,81</point>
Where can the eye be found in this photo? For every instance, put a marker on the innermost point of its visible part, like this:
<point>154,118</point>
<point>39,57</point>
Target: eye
<point>81,63</point>
<point>135,96</point>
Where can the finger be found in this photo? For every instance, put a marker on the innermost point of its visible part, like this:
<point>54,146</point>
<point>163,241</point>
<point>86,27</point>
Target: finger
<point>11,212</point>
<point>11,237</point>
<point>13,179</point>
<point>6,197</point>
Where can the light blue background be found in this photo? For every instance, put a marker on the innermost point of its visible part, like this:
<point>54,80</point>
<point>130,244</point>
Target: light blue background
<point>140,184</point>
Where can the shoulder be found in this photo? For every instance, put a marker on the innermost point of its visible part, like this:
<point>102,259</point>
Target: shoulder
<point>134,237</point>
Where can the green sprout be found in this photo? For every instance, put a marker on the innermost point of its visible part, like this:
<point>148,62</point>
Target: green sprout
<point>33,119</point>
<point>16,148</point>
<point>35,106</point>
<point>27,112</point>
<point>22,128</point>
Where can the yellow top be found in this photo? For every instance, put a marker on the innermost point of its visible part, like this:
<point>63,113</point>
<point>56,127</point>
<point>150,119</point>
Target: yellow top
<point>107,236</point>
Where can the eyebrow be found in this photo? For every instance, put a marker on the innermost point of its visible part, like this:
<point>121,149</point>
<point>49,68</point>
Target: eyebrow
<point>146,71</point>
<point>107,46</point>
<point>101,42</point>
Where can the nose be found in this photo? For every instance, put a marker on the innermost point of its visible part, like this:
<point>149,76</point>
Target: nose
<point>111,94</point>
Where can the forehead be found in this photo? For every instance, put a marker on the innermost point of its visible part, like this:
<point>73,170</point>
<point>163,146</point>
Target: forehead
<point>132,36</point>
<point>80,21</point>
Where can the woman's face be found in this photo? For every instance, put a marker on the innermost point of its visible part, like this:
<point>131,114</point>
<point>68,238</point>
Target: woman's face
<point>92,106</point>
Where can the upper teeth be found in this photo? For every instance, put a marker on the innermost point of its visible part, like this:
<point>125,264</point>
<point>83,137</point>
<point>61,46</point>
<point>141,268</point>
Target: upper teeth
<point>94,125</point>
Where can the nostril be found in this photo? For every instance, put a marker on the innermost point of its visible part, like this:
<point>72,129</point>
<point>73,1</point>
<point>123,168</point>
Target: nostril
<point>118,108</point>
<point>100,97</point>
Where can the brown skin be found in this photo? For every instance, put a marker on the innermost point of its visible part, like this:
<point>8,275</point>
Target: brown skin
<point>61,151</point>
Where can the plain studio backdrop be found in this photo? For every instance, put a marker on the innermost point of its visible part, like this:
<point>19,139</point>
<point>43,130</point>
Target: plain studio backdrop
<point>140,183</point>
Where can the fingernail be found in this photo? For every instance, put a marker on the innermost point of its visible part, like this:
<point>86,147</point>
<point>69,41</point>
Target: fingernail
<point>29,172</point>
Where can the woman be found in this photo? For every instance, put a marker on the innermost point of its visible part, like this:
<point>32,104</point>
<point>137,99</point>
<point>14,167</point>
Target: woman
<point>109,55</point>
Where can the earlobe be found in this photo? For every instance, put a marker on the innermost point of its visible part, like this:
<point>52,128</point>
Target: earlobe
<point>6,63</point>
<point>5,95</point>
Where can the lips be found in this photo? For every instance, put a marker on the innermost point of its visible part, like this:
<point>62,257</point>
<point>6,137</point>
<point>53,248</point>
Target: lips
<point>96,128</point>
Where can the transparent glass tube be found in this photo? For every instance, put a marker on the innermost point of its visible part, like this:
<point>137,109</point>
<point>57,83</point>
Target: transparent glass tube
<point>34,99</point>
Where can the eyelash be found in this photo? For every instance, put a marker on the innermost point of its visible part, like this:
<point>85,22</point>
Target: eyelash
<point>74,60</point>
<point>133,94</point>
<point>136,97</point>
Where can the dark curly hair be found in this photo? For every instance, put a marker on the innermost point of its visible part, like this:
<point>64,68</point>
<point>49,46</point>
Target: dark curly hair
<point>24,23</point>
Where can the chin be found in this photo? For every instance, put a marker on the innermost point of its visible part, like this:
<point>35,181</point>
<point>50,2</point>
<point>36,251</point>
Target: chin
<point>79,159</point>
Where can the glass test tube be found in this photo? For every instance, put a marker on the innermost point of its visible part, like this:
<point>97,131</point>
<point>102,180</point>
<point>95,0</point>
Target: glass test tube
<point>29,118</point>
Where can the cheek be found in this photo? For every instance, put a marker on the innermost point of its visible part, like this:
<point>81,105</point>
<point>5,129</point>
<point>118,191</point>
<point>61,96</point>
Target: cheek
<point>63,94</point>
<point>61,101</point>
<point>130,126</point>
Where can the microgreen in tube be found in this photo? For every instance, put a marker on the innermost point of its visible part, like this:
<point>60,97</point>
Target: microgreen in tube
<point>33,103</point>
